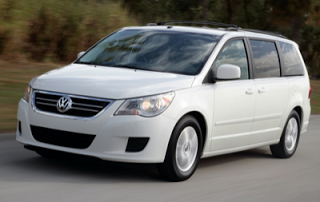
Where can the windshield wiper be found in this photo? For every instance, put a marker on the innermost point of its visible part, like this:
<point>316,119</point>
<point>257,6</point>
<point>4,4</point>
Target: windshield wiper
<point>88,63</point>
<point>127,66</point>
<point>111,64</point>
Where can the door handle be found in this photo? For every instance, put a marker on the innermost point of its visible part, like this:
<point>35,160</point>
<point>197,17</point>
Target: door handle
<point>249,91</point>
<point>262,90</point>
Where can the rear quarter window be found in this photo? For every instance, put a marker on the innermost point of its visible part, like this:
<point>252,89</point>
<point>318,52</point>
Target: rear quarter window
<point>291,60</point>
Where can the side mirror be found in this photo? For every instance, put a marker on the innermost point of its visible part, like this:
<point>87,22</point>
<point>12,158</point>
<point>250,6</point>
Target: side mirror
<point>81,54</point>
<point>228,72</point>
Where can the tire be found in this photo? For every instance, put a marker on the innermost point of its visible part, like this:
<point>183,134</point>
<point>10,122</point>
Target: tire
<point>289,139</point>
<point>184,150</point>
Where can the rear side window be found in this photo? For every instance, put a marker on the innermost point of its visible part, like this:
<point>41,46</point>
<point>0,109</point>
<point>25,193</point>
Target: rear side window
<point>265,59</point>
<point>291,60</point>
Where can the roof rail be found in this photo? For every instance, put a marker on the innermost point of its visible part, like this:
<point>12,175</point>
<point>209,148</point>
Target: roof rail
<point>230,27</point>
<point>200,22</point>
<point>151,24</point>
<point>264,32</point>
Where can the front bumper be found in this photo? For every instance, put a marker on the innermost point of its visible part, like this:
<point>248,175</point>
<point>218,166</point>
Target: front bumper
<point>112,133</point>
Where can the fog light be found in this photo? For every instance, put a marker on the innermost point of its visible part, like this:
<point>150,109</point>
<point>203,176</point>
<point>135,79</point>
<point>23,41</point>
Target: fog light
<point>19,128</point>
<point>136,144</point>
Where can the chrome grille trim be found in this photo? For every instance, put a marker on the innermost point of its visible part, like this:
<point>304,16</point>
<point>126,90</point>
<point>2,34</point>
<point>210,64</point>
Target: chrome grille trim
<point>83,109</point>
<point>43,103</point>
<point>44,99</point>
<point>86,105</point>
<point>75,105</point>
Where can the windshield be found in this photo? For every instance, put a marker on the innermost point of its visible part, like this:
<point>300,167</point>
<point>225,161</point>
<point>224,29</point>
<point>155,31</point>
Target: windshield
<point>163,51</point>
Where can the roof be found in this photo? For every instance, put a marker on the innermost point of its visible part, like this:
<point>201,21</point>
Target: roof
<point>228,27</point>
<point>200,30</point>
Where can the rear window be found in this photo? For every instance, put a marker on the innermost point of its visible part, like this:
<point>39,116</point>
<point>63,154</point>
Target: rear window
<point>265,59</point>
<point>291,60</point>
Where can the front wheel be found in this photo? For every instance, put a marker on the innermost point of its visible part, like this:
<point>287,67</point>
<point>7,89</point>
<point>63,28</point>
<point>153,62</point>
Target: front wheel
<point>289,139</point>
<point>183,151</point>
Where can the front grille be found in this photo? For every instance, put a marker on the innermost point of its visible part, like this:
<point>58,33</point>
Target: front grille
<point>81,106</point>
<point>62,138</point>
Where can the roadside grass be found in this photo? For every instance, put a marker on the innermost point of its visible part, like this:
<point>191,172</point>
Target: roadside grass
<point>15,76</point>
<point>315,96</point>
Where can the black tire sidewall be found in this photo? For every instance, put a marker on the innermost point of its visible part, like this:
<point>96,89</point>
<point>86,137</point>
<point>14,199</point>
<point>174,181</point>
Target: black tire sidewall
<point>170,157</point>
<point>295,115</point>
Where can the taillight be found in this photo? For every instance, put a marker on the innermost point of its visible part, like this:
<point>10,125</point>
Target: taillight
<point>310,92</point>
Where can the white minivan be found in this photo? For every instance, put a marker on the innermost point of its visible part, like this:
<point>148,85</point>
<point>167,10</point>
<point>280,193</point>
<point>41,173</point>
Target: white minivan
<point>170,95</point>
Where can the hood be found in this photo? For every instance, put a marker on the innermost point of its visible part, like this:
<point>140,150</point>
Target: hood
<point>109,82</point>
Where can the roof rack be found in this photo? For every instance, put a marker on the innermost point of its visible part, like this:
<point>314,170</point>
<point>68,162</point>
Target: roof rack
<point>230,27</point>
<point>200,22</point>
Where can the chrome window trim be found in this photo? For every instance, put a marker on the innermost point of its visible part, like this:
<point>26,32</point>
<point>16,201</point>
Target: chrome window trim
<point>35,109</point>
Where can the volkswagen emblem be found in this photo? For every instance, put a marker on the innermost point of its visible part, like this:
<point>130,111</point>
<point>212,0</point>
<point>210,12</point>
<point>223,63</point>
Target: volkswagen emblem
<point>64,104</point>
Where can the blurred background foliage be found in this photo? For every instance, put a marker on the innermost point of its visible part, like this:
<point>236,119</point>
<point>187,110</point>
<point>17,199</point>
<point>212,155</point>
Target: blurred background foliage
<point>56,30</point>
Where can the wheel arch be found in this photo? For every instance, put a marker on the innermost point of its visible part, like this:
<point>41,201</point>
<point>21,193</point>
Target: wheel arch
<point>202,122</point>
<point>294,107</point>
<point>299,110</point>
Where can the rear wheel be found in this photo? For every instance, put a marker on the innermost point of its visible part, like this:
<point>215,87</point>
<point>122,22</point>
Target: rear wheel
<point>184,150</point>
<point>289,139</point>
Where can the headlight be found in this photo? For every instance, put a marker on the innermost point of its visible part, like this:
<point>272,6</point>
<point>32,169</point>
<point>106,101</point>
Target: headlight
<point>27,92</point>
<point>146,106</point>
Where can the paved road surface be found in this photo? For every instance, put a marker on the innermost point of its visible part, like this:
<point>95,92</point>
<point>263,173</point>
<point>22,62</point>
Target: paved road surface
<point>246,176</point>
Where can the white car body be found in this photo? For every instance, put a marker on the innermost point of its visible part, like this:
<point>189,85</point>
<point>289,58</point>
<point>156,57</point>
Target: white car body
<point>237,114</point>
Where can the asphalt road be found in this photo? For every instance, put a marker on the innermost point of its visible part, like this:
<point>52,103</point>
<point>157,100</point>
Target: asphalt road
<point>252,175</point>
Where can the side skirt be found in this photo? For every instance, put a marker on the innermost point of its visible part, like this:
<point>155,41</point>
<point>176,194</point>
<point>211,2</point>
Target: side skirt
<point>233,150</point>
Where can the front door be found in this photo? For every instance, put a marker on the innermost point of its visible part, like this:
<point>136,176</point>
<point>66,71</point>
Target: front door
<point>234,101</point>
